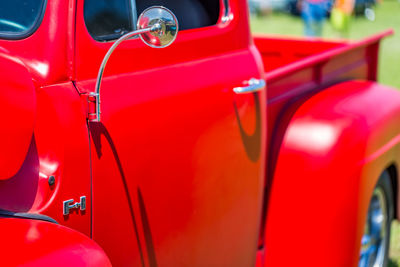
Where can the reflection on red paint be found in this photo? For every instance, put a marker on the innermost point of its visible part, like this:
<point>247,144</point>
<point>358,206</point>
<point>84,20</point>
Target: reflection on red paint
<point>313,136</point>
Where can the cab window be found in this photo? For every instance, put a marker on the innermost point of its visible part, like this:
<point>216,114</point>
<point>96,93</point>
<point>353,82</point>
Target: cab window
<point>19,18</point>
<point>191,14</point>
<point>109,19</point>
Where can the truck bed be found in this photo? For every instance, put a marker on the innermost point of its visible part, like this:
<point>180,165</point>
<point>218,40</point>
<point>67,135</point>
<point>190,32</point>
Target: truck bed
<point>295,69</point>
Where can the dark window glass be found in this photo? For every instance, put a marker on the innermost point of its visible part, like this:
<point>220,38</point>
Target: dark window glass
<point>108,19</point>
<point>18,17</point>
<point>190,13</point>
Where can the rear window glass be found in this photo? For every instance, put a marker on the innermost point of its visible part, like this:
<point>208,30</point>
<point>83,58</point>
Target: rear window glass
<point>110,19</point>
<point>19,17</point>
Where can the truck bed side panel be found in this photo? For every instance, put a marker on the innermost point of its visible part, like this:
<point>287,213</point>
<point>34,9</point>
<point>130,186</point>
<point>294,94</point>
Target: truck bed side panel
<point>313,66</point>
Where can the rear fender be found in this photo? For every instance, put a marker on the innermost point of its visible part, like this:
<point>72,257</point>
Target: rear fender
<point>336,146</point>
<point>39,243</point>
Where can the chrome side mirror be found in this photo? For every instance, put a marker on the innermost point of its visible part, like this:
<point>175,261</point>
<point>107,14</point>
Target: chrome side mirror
<point>157,27</point>
<point>166,27</point>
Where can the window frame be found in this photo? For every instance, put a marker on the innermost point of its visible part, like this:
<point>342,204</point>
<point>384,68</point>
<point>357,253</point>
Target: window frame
<point>23,35</point>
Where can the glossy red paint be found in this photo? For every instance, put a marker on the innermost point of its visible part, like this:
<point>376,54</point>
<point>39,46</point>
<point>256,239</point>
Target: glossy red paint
<point>175,174</point>
<point>178,153</point>
<point>353,126</point>
<point>39,243</point>
<point>58,147</point>
<point>48,53</point>
<point>58,142</point>
<point>19,109</point>
<point>62,150</point>
<point>295,68</point>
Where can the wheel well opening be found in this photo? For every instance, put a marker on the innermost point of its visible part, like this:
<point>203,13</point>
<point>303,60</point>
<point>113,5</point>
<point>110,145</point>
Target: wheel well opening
<point>394,179</point>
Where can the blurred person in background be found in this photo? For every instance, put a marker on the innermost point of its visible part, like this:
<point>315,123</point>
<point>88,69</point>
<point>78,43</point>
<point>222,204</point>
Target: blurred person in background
<point>313,13</point>
<point>341,16</point>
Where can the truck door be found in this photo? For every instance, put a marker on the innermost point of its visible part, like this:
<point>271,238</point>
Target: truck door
<point>177,159</point>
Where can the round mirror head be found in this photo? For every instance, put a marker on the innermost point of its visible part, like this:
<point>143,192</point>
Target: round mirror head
<point>164,26</point>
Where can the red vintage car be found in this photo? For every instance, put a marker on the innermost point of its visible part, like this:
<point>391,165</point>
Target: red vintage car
<point>189,159</point>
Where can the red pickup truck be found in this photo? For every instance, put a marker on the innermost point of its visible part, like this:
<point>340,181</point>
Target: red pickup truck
<point>221,149</point>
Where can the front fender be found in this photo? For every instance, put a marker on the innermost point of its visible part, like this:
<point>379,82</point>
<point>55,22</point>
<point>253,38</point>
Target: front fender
<point>17,113</point>
<point>335,148</point>
<point>39,243</point>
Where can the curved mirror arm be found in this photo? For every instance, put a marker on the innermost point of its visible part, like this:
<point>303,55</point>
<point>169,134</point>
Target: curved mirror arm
<point>158,27</point>
<point>155,28</point>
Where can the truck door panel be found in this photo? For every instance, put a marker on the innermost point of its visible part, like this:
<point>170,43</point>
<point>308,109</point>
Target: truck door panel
<point>173,182</point>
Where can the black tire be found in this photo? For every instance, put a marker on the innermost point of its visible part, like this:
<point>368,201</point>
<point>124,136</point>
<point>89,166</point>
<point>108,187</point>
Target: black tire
<point>383,190</point>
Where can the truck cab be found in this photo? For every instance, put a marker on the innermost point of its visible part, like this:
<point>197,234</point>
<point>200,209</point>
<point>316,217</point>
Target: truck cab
<point>175,168</point>
<point>193,162</point>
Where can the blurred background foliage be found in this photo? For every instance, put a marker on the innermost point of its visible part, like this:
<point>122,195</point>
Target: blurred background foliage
<point>279,19</point>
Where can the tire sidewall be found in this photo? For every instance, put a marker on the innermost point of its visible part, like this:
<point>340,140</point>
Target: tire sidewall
<point>385,184</point>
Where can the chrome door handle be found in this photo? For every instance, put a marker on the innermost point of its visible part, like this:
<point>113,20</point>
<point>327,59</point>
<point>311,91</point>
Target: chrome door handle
<point>254,85</point>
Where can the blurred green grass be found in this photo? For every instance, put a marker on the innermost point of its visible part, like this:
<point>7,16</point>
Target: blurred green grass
<point>394,253</point>
<point>387,16</point>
